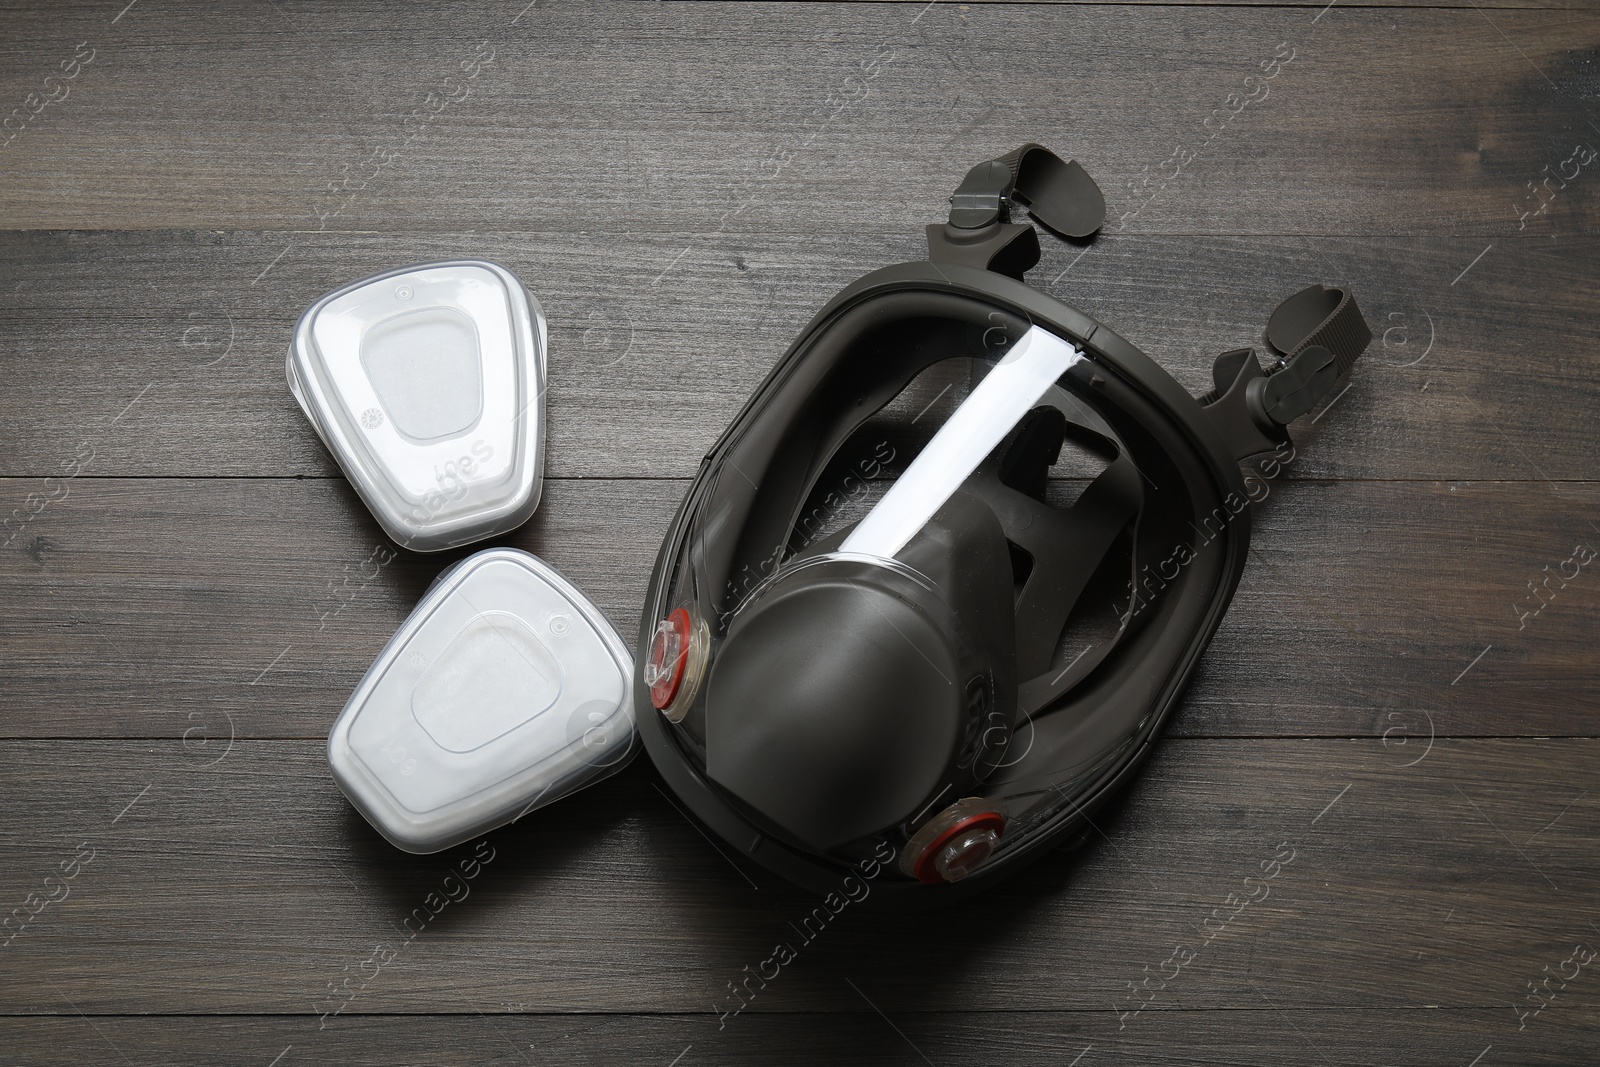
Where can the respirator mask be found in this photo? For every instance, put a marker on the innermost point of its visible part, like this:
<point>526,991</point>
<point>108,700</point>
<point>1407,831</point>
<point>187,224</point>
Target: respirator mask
<point>942,580</point>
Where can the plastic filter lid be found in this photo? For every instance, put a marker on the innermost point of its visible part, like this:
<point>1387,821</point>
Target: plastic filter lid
<point>427,385</point>
<point>505,690</point>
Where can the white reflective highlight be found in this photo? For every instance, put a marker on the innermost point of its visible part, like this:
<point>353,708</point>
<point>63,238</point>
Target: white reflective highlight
<point>1009,392</point>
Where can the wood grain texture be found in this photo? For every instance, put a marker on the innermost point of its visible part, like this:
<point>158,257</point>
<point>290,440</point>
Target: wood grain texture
<point>722,117</point>
<point>247,884</point>
<point>683,186</point>
<point>1494,376</point>
<point>1246,1037</point>
<point>133,605</point>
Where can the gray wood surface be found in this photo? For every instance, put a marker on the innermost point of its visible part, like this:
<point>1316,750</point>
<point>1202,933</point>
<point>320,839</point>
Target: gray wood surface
<point>188,347</point>
<point>242,884</point>
<point>658,118</point>
<point>1263,1035</point>
<point>1363,604</point>
<point>683,185</point>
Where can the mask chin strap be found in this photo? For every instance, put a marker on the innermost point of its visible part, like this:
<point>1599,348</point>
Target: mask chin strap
<point>1317,333</point>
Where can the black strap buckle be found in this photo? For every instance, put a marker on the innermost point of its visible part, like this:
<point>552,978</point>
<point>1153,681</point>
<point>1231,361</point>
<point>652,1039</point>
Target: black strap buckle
<point>980,199</point>
<point>1059,195</point>
<point>1319,333</point>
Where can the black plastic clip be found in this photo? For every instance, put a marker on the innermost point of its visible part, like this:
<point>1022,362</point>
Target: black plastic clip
<point>980,199</point>
<point>1236,408</point>
<point>979,233</point>
<point>1059,195</point>
<point>1319,333</point>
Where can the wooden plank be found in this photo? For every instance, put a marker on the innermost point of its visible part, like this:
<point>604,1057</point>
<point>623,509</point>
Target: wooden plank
<point>270,615</point>
<point>1507,4</point>
<point>164,352</point>
<point>1409,606</point>
<point>673,117</point>
<point>1244,1037</point>
<point>246,884</point>
<point>136,605</point>
<point>684,185</point>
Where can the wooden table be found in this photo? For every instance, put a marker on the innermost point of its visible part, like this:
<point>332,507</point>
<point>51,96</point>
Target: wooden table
<point>187,606</point>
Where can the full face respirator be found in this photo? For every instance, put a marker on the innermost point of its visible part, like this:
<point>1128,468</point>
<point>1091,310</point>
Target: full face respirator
<point>940,583</point>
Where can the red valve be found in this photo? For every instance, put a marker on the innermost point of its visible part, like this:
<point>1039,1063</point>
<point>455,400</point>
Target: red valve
<point>669,655</point>
<point>960,850</point>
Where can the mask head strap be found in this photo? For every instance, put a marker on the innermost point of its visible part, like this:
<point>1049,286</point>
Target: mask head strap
<point>1059,195</point>
<point>1317,333</point>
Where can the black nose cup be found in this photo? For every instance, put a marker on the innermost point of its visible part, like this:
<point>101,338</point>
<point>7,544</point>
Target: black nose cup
<point>852,692</point>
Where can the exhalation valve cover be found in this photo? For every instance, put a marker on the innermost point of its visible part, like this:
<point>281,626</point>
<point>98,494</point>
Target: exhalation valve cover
<point>944,577</point>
